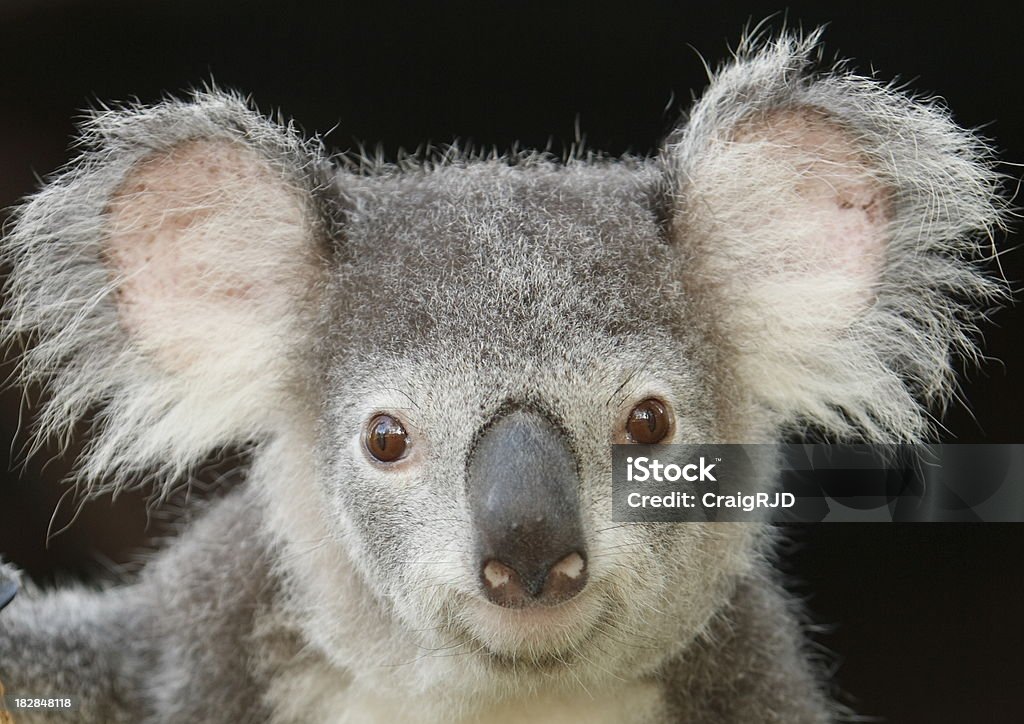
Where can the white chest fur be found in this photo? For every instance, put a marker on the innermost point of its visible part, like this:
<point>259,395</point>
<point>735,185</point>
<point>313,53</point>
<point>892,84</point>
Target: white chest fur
<point>321,700</point>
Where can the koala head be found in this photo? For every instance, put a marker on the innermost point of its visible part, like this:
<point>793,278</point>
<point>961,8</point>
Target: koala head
<point>433,358</point>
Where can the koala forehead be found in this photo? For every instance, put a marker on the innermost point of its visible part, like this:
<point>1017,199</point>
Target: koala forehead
<point>516,259</point>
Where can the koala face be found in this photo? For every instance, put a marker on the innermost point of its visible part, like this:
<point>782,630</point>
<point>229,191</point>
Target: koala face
<point>432,360</point>
<point>511,326</point>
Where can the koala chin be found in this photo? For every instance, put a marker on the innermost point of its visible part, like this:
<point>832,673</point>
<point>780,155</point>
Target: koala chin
<point>429,362</point>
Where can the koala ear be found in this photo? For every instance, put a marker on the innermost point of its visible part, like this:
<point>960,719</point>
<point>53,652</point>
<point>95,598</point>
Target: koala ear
<point>835,228</point>
<point>169,277</point>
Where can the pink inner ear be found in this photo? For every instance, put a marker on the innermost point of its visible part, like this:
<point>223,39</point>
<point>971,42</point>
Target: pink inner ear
<point>850,207</point>
<point>151,214</point>
<point>203,241</point>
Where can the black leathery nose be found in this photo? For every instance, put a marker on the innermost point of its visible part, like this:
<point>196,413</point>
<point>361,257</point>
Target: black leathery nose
<point>524,501</point>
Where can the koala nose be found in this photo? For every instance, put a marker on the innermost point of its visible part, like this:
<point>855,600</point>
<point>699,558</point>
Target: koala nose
<point>523,497</point>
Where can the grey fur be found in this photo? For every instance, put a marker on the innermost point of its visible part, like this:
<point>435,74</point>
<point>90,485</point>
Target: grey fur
<point>329,588</point>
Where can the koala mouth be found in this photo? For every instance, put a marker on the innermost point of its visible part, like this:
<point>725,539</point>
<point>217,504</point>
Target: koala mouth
<point>538,637</point>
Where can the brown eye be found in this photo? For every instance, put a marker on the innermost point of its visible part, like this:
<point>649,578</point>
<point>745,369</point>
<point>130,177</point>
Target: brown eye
<point>648,423</point>
<point>386,439</point>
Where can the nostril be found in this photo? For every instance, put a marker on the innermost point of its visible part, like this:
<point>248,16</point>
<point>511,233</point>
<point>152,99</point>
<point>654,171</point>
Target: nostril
<point>571,567</point>
<point>503,585</point>
<point>497,574</point>
<point>565,579</point>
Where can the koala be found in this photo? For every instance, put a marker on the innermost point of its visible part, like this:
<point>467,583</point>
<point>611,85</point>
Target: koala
<point>430,361</point>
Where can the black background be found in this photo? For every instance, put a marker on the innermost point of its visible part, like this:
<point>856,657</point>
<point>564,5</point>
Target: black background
<point>924,619</point>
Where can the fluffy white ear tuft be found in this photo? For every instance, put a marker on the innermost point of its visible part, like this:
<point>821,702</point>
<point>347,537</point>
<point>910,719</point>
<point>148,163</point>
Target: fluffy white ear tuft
<point>170,276</point>
<point>838,225</point>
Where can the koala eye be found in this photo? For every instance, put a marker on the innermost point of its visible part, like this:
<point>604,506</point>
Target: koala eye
<point>648,423</point>
<point>386,439</point>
